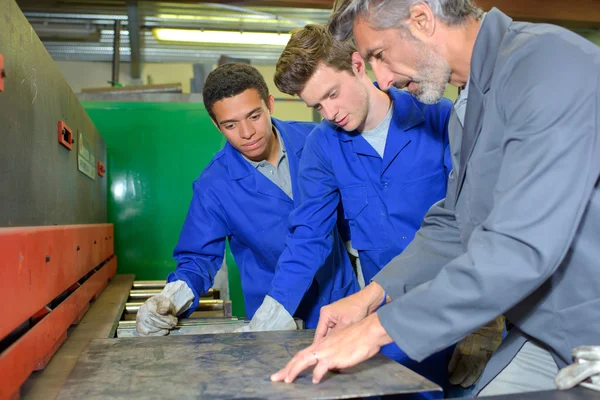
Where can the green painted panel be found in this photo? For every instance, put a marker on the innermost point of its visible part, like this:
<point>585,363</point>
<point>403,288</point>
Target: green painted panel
<point>155,152</point>
<point>235,285</point>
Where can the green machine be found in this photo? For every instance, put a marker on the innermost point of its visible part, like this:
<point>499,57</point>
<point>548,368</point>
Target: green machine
<point>156,149</point>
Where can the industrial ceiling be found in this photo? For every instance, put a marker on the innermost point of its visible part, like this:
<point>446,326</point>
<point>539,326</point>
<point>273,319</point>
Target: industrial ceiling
<point>84,29</point>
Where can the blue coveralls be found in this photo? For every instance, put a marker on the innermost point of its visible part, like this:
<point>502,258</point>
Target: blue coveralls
<point>232,200</point>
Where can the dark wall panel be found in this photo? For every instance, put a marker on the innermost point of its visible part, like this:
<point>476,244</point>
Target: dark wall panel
<point>40,183</point>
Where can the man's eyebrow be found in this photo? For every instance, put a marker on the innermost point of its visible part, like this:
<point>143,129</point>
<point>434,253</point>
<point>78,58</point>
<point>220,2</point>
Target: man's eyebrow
<point>235,120</point>
<point>370,53</point>
<point>327,93</point>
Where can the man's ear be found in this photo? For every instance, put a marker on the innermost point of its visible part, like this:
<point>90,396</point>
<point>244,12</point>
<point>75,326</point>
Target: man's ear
<point>421,21</point>
<point>271,103</point>
<point>358,64</point>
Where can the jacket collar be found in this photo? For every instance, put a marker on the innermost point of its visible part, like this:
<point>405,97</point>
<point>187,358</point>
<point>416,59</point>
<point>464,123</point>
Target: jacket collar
<point>405,116</point>
<point>485,52</point>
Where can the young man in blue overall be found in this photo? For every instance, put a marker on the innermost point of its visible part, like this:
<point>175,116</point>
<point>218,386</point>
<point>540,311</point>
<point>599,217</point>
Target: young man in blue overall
<point>245,195</point>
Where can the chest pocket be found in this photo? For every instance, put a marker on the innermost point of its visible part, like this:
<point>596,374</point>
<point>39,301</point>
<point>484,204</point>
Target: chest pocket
<point>366,217</point>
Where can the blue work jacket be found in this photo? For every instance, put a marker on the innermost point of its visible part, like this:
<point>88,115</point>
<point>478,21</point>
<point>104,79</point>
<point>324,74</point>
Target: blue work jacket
<point>232,200</point>
<point>384,200</point>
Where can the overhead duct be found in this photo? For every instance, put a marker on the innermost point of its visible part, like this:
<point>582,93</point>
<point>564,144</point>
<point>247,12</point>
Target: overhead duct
<point>82,32</point>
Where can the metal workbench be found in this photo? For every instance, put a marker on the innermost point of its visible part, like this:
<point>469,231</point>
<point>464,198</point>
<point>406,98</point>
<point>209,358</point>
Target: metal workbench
<point>96,375</point>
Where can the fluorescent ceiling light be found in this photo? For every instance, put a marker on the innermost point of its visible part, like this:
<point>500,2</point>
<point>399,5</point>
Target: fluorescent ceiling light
<point>190,35</point>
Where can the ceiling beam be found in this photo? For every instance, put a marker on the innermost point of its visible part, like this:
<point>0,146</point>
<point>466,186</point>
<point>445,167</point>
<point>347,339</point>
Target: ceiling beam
<point>582,12</point>
<point>557,11</point>
<point>323,4</point>
<point>578,11</point>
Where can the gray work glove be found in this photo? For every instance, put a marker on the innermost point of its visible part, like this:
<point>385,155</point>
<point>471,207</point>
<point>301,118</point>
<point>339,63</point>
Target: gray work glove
<point>472,354</point>
<point>270,316</point>
<point>159,313</point>
<point>586,367</point>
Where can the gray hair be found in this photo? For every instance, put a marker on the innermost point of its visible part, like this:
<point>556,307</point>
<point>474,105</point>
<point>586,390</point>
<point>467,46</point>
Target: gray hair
<point>385,14</point>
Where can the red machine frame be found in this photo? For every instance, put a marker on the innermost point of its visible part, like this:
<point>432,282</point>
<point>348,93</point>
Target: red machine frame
<point>48,276</point>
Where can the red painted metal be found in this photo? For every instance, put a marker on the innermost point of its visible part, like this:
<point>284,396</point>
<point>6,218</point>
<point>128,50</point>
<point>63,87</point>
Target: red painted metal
<point>34,349</point>
<point>101,169</point>
<point>37,264</point>
<point>65,135</point>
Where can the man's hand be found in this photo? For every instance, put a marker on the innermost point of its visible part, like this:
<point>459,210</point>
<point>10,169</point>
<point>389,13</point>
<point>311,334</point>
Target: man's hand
<point>340,349</point>
<point>156,317</point>
<point>270,316</point>
<point>472,354</point>
<point>349,310</point>
<point>159,313</point>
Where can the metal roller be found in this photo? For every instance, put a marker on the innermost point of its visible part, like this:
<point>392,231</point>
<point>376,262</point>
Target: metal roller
<point>149,284</point>
<point>191,322</point>
<point>145,294</point>
<point>192,326</point>
<point>204,305</point>
<point>143,290</point>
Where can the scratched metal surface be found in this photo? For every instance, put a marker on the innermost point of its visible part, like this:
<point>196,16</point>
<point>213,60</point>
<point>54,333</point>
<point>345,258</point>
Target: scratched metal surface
<point>223,366</point>
<point>39,180</point>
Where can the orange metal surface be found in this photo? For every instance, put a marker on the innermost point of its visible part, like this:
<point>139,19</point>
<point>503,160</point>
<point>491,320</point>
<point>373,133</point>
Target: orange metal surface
<point>101,169</point>
<point>39,263</point>
<point>35,348</point>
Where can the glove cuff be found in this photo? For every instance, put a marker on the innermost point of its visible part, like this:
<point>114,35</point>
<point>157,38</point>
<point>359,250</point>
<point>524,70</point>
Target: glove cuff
<point>494,328</point>
<point>271,315</point>
<point>179,294</point>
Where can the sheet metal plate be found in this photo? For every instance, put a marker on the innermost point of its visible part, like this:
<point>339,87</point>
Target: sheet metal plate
<point>223,366</point>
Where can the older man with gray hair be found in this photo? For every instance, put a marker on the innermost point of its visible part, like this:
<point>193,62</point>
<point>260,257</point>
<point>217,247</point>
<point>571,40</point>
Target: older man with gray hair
<point>517,233</point>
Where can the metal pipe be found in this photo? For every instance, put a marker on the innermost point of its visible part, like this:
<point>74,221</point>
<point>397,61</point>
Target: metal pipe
<point>147,293</point>
<point>143,294</point>
<point>149,284</point>
<point>116,53</point>
<point>133,24</point>
<point>125,90</point>
<point>190,322</point>
<point>147,289</point>
<point>194,326</point>
<point>204,305</point>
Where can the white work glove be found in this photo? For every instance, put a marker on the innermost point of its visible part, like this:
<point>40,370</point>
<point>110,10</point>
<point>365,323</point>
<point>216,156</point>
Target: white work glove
<point>472,354</point>
<point>270,316</point>
<point>586,367</point>
<point>159,313</point>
